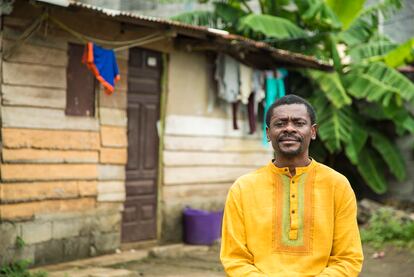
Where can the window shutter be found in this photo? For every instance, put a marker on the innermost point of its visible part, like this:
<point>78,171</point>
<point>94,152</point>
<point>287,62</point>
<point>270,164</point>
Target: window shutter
<point>80,94</point>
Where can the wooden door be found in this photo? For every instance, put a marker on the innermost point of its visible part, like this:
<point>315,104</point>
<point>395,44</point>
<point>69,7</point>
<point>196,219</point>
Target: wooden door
<point>144,75</point>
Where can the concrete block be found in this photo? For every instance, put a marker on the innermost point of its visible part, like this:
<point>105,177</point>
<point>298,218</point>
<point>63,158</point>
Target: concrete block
<point>49,252</point>
<point>111,172</point>
<point>9,232</point>
<point>8,255</point>
<point>76,248</point>
<point>105,243</point>
<point>111,191</point>
<point>35,232</point>
<point>88,225</point>
<point>112,197</point>
<point>66,228</point>
<point>108,223</point>
<point>110,187</point>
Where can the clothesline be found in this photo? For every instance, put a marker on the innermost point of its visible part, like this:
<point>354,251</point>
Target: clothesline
<point>118,45</point>
<point>115,45</point>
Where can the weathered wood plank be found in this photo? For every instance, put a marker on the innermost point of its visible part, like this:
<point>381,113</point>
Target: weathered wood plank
<point>41,118</point>
<point>113,155</point>
<point>27,155</point>
<point>33,96</point>
<point>111,172</point>
<point>113,117</point>
<point>23,211</point>
<point>12,33</point>
<point>29,53</point>
<point>118,100</point>
<point>36,191</point>
<point>217,144</point>
<point>185,125</point>
<point>114,136</point>
<point>203,174</point>
<point>40,172</point>
<point>194,190</point>
<point>122,84</point>
<point>34,75</point>
<point>43,139</point>
<point>215,158</point>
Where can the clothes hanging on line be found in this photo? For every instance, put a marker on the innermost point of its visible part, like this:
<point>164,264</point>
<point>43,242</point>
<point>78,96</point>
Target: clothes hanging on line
<point>245,83</point>
<point>258,84</point>
<point>227,76</point>
<point>275,89</point>
<point>102,63</point>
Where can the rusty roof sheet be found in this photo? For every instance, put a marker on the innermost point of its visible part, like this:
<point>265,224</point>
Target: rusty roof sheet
<point>286,57</point>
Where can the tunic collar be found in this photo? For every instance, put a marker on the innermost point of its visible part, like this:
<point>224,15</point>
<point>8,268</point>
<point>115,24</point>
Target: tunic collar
<point>285,170</point>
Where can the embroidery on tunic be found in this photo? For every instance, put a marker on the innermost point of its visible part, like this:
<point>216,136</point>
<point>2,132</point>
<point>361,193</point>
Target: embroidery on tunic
<point>301,223</point>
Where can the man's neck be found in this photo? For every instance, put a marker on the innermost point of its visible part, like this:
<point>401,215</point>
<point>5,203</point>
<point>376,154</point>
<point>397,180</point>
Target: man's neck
<point>292,162</point>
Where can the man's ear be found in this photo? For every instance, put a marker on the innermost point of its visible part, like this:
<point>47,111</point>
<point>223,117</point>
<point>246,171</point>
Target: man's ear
<point>314,131</point>
<point>267,134</point>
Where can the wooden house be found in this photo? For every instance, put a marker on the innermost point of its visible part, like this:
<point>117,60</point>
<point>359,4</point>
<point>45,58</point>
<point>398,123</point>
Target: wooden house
<point>84,173</point>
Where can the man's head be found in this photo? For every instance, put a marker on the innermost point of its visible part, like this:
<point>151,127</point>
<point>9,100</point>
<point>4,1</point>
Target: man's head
<point>291,124</point>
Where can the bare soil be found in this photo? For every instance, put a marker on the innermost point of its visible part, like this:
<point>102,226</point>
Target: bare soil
<point>395,263</point>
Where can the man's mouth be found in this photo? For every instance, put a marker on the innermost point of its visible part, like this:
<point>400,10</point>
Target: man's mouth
<point>289,139</point>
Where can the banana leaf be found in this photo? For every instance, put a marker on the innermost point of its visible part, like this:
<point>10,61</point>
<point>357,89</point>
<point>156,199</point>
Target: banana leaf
<point>270,26</point>
<point>228,13</point>
<point>200,18</point>
<point>359,32</point>
<point>390,154</point>
<point>334,127</point>
<point>316,14</point>
<point>403,54</point>
<point>364,86</point>
<point>356,141</point>
<point>332,87</point>
<point>391,77</point>
<point>370,49</point>
<point>370,168</point>
<point>346,10</point>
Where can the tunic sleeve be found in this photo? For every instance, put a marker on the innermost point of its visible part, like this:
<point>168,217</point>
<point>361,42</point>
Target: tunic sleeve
<point>235,256</point>
<point>346,254</point>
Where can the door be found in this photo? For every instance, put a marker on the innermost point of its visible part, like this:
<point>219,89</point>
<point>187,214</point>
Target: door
<point>144,74</point>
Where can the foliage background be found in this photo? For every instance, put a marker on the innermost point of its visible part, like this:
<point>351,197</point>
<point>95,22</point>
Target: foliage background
<point>365,104</point>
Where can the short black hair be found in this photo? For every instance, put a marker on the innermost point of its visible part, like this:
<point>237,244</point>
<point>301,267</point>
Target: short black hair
<point>288,100</point>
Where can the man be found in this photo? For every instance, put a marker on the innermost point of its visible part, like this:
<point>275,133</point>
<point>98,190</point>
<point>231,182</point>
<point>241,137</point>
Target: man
<point>294,217</point>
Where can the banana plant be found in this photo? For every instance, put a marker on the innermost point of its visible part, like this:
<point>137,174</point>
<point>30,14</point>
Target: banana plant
<point>364,93</point>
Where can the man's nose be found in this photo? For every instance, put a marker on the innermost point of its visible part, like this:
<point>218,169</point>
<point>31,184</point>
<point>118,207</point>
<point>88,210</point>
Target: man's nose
<point>290,127</point>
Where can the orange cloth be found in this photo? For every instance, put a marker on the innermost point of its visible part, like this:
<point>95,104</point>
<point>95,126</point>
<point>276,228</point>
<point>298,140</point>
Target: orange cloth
<point>276,225</point>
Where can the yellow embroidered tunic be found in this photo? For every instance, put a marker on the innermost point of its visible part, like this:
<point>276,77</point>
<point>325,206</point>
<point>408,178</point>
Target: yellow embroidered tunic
<point>276,225</point>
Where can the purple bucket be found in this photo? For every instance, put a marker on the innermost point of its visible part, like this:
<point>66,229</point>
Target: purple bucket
<point>201,227</point>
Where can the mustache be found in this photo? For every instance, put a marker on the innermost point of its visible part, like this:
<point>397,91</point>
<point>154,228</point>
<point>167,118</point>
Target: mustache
<point>289,137</point>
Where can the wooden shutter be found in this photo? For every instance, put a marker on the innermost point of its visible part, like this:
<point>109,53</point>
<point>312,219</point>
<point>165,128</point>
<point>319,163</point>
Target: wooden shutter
<point>80,94</point>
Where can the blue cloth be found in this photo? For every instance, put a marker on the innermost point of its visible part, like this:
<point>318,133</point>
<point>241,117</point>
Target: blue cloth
<point>275,89</point>
<point>102,62</point>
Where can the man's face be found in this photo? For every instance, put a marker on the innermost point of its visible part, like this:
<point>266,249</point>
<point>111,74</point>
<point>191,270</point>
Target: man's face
<point>291,130</point>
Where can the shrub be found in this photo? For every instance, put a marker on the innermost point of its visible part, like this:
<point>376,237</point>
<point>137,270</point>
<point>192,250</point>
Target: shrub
<point>384,227</point>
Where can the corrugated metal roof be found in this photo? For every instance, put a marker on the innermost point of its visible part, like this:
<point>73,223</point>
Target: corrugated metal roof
<point>283,56</point>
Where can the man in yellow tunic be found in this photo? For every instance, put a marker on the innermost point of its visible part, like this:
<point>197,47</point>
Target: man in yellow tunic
<point>294,217</point>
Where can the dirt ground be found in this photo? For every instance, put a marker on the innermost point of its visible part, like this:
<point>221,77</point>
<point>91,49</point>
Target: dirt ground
<point>395,263</point>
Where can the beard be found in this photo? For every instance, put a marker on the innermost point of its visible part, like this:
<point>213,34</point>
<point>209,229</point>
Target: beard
<point>286,150</point>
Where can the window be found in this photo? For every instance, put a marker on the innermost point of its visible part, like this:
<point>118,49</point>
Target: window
<point>80,94</point>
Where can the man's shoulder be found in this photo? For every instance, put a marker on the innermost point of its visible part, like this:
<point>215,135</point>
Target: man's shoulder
<point>326,172</point>
<point>255,177</point>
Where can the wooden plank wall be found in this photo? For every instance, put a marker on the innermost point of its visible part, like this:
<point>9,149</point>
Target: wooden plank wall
<point>52,162</point>
<point>203,156</point>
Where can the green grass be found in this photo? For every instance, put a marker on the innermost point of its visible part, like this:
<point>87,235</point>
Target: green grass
<point>385,228</point>
<point>19,269</point>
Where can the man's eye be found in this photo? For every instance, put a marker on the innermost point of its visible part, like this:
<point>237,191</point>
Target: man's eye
<point>300,123</point>
<point>278,124</point>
